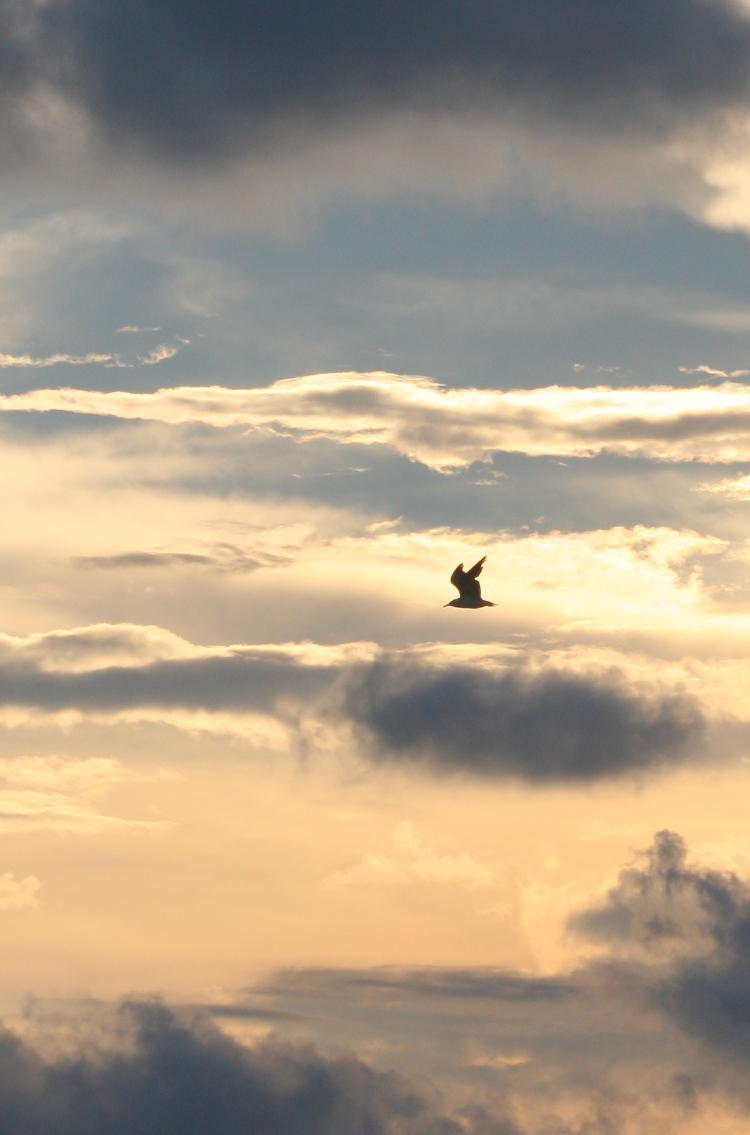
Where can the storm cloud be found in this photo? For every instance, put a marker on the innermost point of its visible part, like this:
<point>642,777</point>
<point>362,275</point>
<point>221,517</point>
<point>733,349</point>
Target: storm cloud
<point>540,725</point>
<point>181,1076</point>
<point>180,80</point>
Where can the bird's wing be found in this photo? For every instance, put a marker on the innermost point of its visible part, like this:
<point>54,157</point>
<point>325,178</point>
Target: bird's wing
<point>458,577</point>
<point>473,572</point>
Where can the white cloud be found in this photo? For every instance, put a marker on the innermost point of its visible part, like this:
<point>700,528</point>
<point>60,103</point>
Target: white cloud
<point>18,894</point>
<point>55,360</point>
<point>159,354</point>
<point>447,428</point>
<point>410,860</point>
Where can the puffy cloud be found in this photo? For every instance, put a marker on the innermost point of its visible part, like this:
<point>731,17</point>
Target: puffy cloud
<point>446,428</point>
<point>666,904</point>
<point>18,894</point>
<point>539,725</point>
<point>411,860</point>
<point>177,1074</point>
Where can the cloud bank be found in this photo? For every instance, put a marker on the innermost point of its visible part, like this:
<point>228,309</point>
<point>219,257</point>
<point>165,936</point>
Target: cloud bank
<point>179,1075</point>
<point>539,722</point>
<point>179,84</point>
<point>444,428</point>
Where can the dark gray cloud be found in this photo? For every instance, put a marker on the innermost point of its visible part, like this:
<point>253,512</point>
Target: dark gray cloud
<point>665,902</point>
<point>180,79</point>
<point>183,1077</point>
<point>541,725</point>
<point>694,924</point>
<point>18,72</point>
<point>545,725</point>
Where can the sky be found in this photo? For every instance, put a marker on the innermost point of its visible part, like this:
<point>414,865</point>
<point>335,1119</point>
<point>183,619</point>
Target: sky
<point>302,305</point>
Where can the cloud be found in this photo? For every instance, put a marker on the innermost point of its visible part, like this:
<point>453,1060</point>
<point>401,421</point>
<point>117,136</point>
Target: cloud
<point>386,982</point>
<point>658,1018</point>
<point>159,354</point>
<point>411,860</point>
<point>266,106</point>
<point>624,1043</point>
<point>714,372</point>
<point>56,794</point>
<point>177,1074</point>
<point>537,725</point>
<point>736,487</point>
<point>252,70</point>
<point>506,716</point>
<point>224,557</point>
<point>446,429</point>
<point>55,360</point>
<point>690,925</point>
<point>665,905</point>
<point>18,894</point>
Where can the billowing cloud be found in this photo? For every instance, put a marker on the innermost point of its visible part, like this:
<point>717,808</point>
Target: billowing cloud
<point>179,1075</point>
<point>447,428</point>
<point>690,925</point>
<point>665,904</point>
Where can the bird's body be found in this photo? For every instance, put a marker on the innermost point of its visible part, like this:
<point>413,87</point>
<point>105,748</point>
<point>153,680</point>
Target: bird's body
<point>467,585</point>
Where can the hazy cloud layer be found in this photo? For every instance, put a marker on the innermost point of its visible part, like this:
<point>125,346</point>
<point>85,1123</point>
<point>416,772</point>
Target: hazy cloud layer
<point>447,428</point>
<point>624,1044</point>
<point>620,1029</point>
<point>539,722</point>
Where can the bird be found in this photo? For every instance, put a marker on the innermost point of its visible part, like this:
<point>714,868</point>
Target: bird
<point>469,591</point>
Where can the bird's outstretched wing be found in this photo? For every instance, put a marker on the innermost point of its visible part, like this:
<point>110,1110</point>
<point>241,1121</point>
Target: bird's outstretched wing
<point>475,571</point>
<point>466,582</point>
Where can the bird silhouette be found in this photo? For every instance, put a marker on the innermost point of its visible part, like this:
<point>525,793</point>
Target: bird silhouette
<point>467,584</point>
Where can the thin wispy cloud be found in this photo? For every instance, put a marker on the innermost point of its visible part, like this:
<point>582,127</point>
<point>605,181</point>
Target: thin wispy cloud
<point>56,360</point>
<point>158,354</point>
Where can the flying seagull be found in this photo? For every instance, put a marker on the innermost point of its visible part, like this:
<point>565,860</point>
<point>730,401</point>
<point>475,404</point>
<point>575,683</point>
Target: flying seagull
<point>469,591</point>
